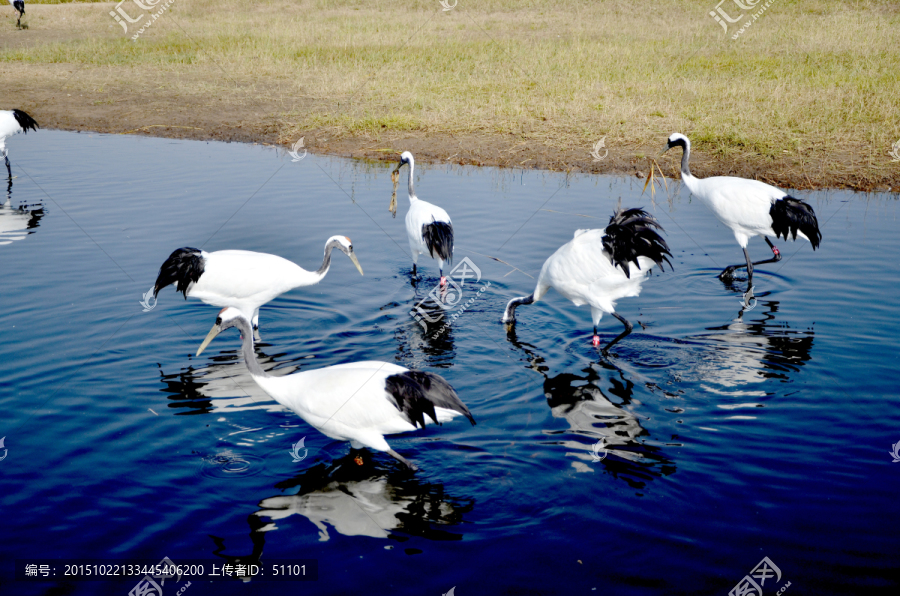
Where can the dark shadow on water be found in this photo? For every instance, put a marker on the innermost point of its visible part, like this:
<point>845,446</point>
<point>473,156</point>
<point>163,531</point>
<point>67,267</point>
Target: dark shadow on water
<point>597,404</point>
<point>374,500</point>
<point>427,339</point>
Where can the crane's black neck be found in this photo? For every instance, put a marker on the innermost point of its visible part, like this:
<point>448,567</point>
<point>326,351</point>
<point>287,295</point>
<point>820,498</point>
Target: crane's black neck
<point>247,348</point>
<point>326,262</point>
<point>685,156</point>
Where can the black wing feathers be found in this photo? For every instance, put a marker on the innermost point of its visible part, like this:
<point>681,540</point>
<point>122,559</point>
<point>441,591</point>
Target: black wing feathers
<point>631,234</point>
<point>25,121</point>
<point>789,215</point>
<point>183,267</point>
<point>438,237</point>
<point>416,393</point>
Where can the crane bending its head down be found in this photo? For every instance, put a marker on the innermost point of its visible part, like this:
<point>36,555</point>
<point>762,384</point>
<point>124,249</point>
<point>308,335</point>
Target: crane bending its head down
<point>358,402</point>
<point>598,267</point>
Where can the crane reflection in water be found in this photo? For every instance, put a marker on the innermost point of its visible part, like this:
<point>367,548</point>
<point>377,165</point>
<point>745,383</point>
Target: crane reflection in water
<point>340,497</point>
<point>598,405</point>
<point>18,222</point>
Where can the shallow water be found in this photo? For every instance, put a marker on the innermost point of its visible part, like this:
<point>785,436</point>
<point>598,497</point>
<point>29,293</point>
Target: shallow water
<point>725,439</point>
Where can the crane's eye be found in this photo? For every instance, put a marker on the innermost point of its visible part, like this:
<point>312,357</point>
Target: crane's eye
<point>218,320</point>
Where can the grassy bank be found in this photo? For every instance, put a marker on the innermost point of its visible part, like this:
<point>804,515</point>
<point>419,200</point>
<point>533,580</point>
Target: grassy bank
<point>808,94</point>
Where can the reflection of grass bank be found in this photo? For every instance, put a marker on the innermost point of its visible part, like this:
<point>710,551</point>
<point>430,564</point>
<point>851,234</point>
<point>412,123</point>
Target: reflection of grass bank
<point>808,88</point>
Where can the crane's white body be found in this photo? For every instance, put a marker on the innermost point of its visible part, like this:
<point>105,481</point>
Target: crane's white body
<point>242,279</point>
<point>346,402</point>
<point>422,213</point>
<point>8,127</point>
<point>581,270</point>
<point>741,204</point>
<point>247,280</point>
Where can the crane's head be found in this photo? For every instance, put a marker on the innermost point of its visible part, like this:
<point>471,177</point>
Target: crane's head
<point>227,318</point>
<point>677,140</point>
<point>343,244</point>
<point>405,158</point>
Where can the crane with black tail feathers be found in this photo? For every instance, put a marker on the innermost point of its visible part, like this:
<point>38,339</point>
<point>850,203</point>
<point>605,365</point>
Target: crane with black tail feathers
<point>19,6</point>
<point>750,208</point>
<point>428,227</point>
<point>12,122</point>
<point>599,267</point>
<point>240,278</point>
<point>358,402</point>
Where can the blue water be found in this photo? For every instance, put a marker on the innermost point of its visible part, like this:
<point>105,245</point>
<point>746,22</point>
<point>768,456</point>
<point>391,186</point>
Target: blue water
<point>726,439</point>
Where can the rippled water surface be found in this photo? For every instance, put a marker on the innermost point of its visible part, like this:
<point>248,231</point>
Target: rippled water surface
<point>724,439</point>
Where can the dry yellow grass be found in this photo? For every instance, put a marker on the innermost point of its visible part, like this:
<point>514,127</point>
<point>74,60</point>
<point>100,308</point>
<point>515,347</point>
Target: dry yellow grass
<point>810,87</point>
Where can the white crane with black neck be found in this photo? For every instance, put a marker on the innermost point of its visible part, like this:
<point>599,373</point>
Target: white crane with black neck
<point>750,208</point>
<point>358,402</point>
<point>428,227</point>
<point>240,278</point>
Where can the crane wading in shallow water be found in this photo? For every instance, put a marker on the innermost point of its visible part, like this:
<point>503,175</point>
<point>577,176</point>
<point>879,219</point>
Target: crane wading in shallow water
<point>242,279</point>
<point>750,208</point>
<point>12,122</point>
<point>598,267</point>
<point>358,402</point>
<point>428,226</point>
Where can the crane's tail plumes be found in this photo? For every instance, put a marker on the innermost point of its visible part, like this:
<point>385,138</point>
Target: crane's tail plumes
<point>25,121</point>
<point>417,393</point>
<point>631,234</point>
<point>438,237</point>
<point>790,215</point>
<point>183,267</point>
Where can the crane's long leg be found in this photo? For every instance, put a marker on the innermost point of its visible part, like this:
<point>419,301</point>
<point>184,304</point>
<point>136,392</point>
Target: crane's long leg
<point>403,460</point>
<point>728,272</point>
<point>8,169</point>
<point>628,328</point>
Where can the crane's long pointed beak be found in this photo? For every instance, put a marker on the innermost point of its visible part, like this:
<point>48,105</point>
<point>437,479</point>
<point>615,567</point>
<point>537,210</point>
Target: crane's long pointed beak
<point>355,262</point>
<point>216,330</point>
<point>664,149</point>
